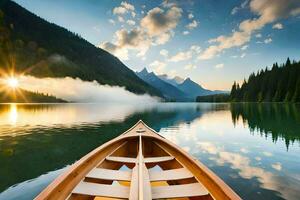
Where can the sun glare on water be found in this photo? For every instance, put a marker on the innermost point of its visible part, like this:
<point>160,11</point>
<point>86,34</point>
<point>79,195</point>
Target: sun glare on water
<point>13,82</point>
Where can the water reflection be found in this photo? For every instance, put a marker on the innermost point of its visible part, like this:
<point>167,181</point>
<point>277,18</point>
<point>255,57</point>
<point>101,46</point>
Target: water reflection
<point>256,168</point>
<point>13,114</point>
<point>244,144</point>
<point>280,121</point>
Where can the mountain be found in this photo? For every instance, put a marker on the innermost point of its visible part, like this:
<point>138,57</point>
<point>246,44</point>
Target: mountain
<point>189,87</point>
<point>24,96</point>
<point>173,81</point>
<point>193,89</point>
<point>169,91</point>
<point>43,49</point>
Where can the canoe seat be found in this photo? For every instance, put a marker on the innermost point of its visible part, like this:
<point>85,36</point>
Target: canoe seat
<point>102,190</point>
<point>168,175</point>
<point>158,159</point>
<point>108,174</point>
<point>179,191</point>
<point>134,160</point>
<point>121,159</point>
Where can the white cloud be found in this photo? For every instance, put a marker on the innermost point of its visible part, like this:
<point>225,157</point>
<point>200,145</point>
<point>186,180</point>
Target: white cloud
<point>243,55</point>
<point>258,35</point>
<point>158,21</point>
<point>277,166</point>
<point>237,8</point>
<point>168,4</point>
<point>258,158</point>
<point>190,66</point>
<point>159,67</point>
<point>268,40</point>
<point>185,55</point>
<point>268,11</point>
<point>208,147</point>
<point>277,26</point>
<point>120,19</point>
<point>76,90</point>
<point>192,25</point>
<point>243,48</point>
<point>112,21</point>
<point>162,39</point>
<point>121,53</point>
<point>134,39</point>
<point>123,8</point>
<point>97,29</point>
<point>268,154</point>
<point>195,48</point>
<point>244,150</point>
<point>164,52</point>
<point>127,6</point>
<point>119,10</point>
<point>190,16</point>
<point>219,66</point>
<point>156,28</point>
<point>185,32</point>
<point>130,22</point>
<point>181,56</point>
<point>133,14</point>
<point>244,168</point>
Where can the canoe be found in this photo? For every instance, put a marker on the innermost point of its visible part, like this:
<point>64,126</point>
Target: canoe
<point>138,164</point>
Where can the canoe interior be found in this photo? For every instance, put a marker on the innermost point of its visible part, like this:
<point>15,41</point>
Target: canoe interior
<point>137,165</point>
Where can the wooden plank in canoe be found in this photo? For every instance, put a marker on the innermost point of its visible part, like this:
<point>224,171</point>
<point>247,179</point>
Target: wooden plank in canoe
<point>172,174</point>
<point>133,160</point>
<point>108,174</point>
<point>146,182</point>
<point>121,159</point>
<point>101,190</point>
<point>134,184</point>
<point>158,159</point>
<point>178,191</point>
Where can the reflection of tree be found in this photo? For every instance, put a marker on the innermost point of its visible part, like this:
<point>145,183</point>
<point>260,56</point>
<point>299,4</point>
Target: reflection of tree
<point>47,149</point>
<point>281,121</point>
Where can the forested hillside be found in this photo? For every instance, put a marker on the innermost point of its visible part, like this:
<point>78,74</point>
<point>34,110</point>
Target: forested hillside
<point>280,84</point>
<point>32,45</point>
<point>24,96</point>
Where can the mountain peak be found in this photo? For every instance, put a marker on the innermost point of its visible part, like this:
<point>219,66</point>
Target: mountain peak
<point>178,79</point>
<point>144,70</point>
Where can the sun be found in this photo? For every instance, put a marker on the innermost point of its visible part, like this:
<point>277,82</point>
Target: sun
<point>13,82</point>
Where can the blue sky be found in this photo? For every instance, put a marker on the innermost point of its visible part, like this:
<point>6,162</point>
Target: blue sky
<point>212,42</point>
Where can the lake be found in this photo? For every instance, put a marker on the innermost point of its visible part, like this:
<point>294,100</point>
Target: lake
<point>254,148</point>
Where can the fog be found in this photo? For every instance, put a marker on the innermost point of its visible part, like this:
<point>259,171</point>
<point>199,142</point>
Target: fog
<point>76,90</point>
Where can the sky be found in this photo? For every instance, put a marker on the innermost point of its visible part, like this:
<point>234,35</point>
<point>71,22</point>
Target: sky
<point>214,42</point>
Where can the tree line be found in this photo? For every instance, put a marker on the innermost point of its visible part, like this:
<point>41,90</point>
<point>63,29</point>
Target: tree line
<point>213,98</point>
<point>279,84</point>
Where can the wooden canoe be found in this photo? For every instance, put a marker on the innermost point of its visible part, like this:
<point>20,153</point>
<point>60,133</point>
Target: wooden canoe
<point>138,164</point>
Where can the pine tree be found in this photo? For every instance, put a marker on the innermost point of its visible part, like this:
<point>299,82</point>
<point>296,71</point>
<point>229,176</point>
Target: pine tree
<point>296,97</point>
<point>233,92</point>
<point>278,84</point>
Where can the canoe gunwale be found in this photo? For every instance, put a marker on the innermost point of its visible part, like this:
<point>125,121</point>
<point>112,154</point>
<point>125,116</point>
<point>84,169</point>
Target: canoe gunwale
<point>63,185</point>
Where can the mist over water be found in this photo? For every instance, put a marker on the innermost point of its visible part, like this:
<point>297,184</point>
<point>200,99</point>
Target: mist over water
<point>77,90</point>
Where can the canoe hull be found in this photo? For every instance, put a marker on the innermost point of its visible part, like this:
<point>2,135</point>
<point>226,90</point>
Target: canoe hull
<point>157,151</point>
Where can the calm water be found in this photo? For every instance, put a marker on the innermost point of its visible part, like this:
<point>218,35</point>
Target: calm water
<point>255,148</point>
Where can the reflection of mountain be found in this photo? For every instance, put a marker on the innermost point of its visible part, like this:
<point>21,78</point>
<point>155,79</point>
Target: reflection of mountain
<point>277,120</point>
<point>48,148</point>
